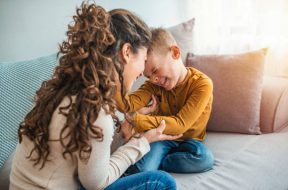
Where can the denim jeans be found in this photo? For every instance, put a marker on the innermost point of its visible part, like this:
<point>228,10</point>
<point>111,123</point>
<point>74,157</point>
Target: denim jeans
<point>152,180</point>
<point>188,156</point>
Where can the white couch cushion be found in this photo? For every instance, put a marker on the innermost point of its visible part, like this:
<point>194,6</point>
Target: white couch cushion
<point>243,162</point>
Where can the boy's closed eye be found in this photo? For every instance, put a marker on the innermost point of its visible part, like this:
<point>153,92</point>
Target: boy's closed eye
<point>153,71</point>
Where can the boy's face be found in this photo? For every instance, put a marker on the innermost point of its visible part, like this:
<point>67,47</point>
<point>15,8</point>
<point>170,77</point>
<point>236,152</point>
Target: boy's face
<point>162,69</point>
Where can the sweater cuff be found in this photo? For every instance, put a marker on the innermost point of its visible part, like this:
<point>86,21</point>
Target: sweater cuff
<point>146,143</point>
<point>143,145</point>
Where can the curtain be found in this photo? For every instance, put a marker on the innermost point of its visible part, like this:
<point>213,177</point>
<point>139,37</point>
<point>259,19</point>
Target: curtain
<point>234,26</point>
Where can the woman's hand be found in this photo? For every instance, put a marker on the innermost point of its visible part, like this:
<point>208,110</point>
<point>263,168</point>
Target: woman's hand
<point>148,109</point>
<point>156,134</point>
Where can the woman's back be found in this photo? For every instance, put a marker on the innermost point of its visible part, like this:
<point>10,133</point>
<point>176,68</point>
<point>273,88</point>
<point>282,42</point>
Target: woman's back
<point>58,173</point>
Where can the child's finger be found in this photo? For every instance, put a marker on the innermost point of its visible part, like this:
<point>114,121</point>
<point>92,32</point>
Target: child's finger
<point>154,102</point>
<point>154,99</point>
<point>152,107</point>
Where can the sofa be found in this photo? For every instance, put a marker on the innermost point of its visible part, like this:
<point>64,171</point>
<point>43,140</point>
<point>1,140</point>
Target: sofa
<point>247,131</point>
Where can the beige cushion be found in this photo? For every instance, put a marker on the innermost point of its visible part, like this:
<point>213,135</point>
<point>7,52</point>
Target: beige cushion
<point>274,104</point>
<point>237,89</point>
<point>183,34</point>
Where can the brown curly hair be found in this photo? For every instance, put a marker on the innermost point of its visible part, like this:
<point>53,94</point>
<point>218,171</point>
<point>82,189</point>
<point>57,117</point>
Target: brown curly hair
<point>87,66</point>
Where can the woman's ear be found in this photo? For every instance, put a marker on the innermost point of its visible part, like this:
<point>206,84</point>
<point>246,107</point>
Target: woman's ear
<point>126,52</point>
<point>175,50</point>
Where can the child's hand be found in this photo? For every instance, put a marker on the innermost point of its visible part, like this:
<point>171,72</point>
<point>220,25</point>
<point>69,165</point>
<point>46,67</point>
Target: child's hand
<point>127,131</point>
<point>149,109</point>
<point>156,134</point>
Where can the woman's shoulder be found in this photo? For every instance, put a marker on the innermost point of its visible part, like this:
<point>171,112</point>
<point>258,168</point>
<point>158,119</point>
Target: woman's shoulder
<point>104,117</point>
<point>105,122</point>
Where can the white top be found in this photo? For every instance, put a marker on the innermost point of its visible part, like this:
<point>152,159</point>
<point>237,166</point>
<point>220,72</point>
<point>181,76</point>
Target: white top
<point>101,170</point>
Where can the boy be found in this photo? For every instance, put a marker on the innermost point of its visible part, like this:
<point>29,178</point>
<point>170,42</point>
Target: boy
<point>185,100</point>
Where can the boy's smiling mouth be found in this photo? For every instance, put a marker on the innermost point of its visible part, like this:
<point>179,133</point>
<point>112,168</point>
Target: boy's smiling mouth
<point>163,82</point>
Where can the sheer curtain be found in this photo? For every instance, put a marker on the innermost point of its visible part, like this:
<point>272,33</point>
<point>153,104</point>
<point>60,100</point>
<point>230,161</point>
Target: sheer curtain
<point>234,26</point>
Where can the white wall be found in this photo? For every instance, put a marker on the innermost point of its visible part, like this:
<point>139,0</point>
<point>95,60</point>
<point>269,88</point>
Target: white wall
<point>33,28</point>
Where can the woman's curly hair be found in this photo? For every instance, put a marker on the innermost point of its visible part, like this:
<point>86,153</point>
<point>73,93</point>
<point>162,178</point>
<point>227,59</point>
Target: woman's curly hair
<point>87,66</point>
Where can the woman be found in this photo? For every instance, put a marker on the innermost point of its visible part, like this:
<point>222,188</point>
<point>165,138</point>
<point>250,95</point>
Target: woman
<point>65,139</point>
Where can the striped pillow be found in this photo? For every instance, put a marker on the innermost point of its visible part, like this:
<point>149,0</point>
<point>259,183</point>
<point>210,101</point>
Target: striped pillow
<point>18,84</point>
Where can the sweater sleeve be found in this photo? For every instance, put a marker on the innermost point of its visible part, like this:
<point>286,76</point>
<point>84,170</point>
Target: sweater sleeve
<point>102,169</point>
<point>137,99</point>
<point>188,114</point>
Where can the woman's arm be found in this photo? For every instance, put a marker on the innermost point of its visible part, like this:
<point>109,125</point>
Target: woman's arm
<point>102,168</point>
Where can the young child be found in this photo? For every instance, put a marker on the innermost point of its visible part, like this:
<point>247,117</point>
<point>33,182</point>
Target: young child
<point>184,102</point>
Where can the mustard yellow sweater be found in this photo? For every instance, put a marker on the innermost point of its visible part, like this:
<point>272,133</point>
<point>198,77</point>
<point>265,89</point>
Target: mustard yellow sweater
<point>186,108</point>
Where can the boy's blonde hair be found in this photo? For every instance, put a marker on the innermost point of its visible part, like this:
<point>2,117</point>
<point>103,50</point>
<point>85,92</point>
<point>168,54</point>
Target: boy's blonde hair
<point>161,41</point>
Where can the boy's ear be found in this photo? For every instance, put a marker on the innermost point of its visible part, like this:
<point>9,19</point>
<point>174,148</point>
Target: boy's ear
<point>175,50</point>
<point>125,52</point>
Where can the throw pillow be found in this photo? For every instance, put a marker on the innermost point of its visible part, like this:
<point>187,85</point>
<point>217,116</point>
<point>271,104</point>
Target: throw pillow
<point>18,84</point>
<point>183,34</point>
<point>237,83</point>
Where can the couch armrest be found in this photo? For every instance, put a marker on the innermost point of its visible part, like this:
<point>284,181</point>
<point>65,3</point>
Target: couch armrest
<point>274,104</point>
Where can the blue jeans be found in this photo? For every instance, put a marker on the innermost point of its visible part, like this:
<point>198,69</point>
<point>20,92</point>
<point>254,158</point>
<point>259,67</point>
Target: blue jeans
<point>188,156</point>
<point>152,180</point>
